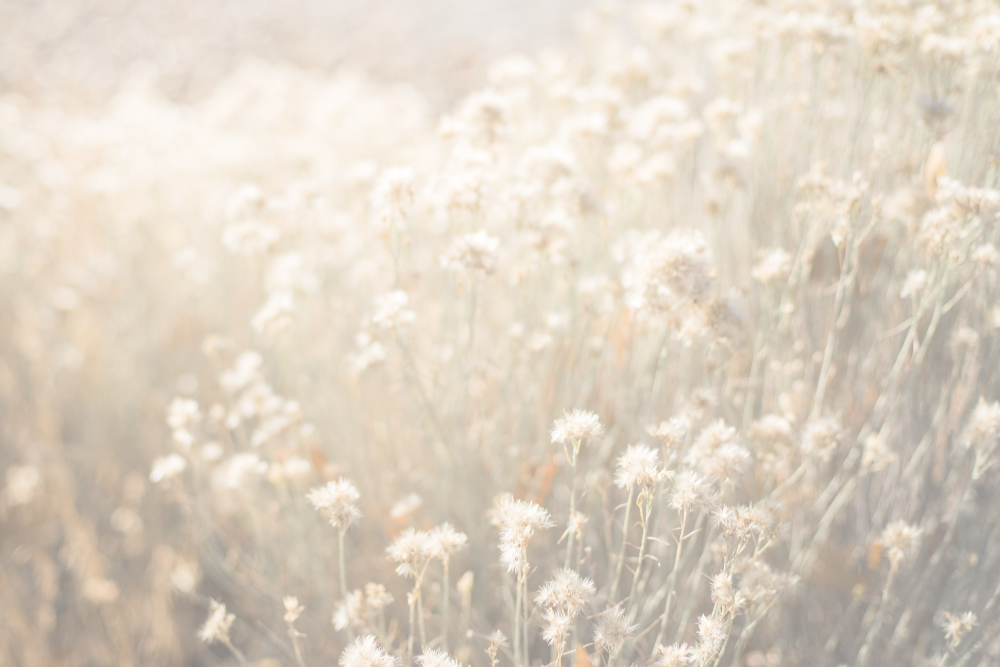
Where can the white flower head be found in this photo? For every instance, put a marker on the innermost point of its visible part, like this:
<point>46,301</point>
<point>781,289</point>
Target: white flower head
<point>518,520</point>
<point>900,539</point>
<point>612,630</point>
<point>411,550</point>
<point>567,591</point>
<point>675,655</point>
<point>391,311</point>
<point>292,609</point>
<point>639,465</point>
<point>433,657</point>
<point>472,252</point>
<point>556,625</point>
<point>690,491</point>
<point>166,467</point>
<point>579,426</point>
<point>366,652</point>
<point>956,627</point>
<point>445,541</point>
<point>711,635</point>
<point>349,611</point>
<point>337,500</point>
<point>216,627</point>
<point>775,264</point>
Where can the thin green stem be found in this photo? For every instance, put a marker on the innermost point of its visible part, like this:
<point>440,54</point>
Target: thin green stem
<point>671,583</point>
<point>446,602</point>
<point>621,551</point>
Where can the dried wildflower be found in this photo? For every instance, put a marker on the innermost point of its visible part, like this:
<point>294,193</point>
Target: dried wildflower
<point>166,467</point>
<point>566,591</point>
<point>744,521</point>
<point>579,426</point>
<point>556,626</point>
<point>244,372</point>
<point>984,425</point>
<point>411,550</point>
<point>639,465</point>
<point>675,655</point>
<point>472,252</point>
<point>336,500</point>
<point>275,315</point>
<point>349,611</point>
<point>436,658</point>
<point>393,195</point>
<point>725,595</point>
<point>821,437</point>
<point>668,278</point>
<point>939,228</point>
<point>182,412</point>
<point>712,438</point>
<point>775,264</point>
<point>292,609</point>
<point>366,652</point>
<point>899,538</point>
<point>518,520</point>
<point>612,630</point>
<point>726,464</point>
<point>877,454</point>
<point>987,255</point>
<point>377,597</point>
<point>771,430</point>
<point>915,283</point>
<point>216,627</point>
<point>445,541</point>
<point>391,311</point>
<point>689,492</point>
<point>671,432</point>
<point>497,640</point>
<point>956,627</point>
<point>759,585</point>
<point>711,635</point>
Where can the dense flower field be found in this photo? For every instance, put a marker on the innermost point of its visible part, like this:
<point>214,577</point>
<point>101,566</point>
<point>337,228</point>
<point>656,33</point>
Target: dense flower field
<point>675,347</point>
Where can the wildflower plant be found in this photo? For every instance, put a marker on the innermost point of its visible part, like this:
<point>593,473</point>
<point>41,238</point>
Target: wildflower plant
<point>714,287</point>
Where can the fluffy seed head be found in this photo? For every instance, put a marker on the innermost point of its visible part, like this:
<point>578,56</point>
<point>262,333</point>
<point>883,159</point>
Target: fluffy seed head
<point>337,501</point>
<point>956,627</point>
<point>472,252</point>
<point>445,541</point>
<point>711,634</point>
<point>671,432</point>
<point>556,625</point>
<point>216,627</point>
<point>567,591</point>
<point>518,519</point>
<point>349,611</point>
<point>675,655</point>
<point>613,630</point>
<point>366,652</point>
<point>899,538</point>
<point>436,658</point>
<point>639,465</point>
<point>725,594</point>
<point>377,597</point>
<point>411,550</point>
<point>775,264</point>
<point>690,491</point>
<point>498,638</point>
<point>578,426</point>
<point>292,609</point>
